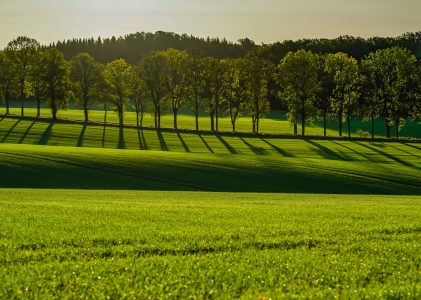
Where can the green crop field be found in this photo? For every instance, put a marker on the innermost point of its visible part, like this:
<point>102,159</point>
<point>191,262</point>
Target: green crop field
<point>102,212</point>
<point>127,244</point>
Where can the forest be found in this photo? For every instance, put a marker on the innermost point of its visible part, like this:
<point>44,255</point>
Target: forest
<point>161,73</point>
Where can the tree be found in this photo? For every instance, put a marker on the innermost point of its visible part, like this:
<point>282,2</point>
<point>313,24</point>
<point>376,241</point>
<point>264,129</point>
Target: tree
<point>347,80</point>
<point>36,82</point>
<point>140,95</point>
<point>118,75</point>
<point>23,51</point>
<point>154,71</point>
<point>86,77</point>
<point>258,73</point>
<point>214,77</point>
<point>299,81</point>
<point>177,79</point>
<point>7,78</point>
<point>196,86</point>
<point>56,79</point>
<point>394,71</point>
<point>326,90</point>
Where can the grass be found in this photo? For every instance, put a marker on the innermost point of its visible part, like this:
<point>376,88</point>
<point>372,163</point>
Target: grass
<point>274,123</point>
<point>103,212</point>
<point>127,244</point>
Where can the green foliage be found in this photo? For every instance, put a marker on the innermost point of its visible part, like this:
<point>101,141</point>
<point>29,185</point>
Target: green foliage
<point>56,79</point>
<point>298,78</point>
<point>86,75</point>
<point>166,245</point>
<point>118,76</point>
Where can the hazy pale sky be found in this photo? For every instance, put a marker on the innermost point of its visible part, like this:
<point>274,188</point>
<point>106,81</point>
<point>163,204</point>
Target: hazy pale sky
<point>261,20</point>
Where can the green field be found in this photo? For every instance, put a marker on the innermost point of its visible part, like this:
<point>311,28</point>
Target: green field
<point>274,122</point>
<point>122,244</point>
<point>102,212</point>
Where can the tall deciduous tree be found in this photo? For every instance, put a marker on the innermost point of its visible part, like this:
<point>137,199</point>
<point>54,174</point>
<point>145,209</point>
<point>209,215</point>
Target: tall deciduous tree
<point>36,86</point>
<point>299,81</point>
<point>140,95</point>
<point>258,73</point>
<point>177,79</point>
<point>197,85</point>
<point>395,73</point>
<point>118,75</point>
<point>7,78</point>
<point>56,79</point>
<point>23,49</point>
<point>347,82</point>
<point>86,77</point>
<point>154,71</point>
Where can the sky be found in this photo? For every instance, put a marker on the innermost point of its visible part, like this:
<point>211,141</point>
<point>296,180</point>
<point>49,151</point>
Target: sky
<point>260,20</point>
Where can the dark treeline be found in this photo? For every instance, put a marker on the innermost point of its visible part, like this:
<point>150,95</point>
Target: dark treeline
<point>134,46</point>
<point>384,83</point>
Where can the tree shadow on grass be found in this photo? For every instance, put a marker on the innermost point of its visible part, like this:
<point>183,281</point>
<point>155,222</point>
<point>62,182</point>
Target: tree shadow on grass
<point>81,135</point>
<point>277,149</point>
<point>412,146</point>
<point>326,152</point>
<point>121,141</point>
<point>228,146</point>
<point>183,142</point>
<point>390,156</point>
<point>162,142</point>
<point>45,137</point>
<point>402,150</point>
<point>367,157</point>
<point>256,150</point>
<point>206,144</point>
<point>10,131</point>
<point>142,141</point>
<point>26,132</point>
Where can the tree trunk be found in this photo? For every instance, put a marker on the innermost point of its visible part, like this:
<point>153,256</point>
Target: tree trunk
<point>324,120</point>
<point>22,96</point>
<point>141,116</point>
<point>216,119</point>
<point>54,109</point>
<point>175,118</point>
<point>387,129</point>
<point>212,121</point>
<point>295,128</point>
<point>197,114</point>
<point>397,128</point>
<point>233,126</point>
<point>159,116</point>
<point>341,111</point>
<point>257,125</point>
<point>38,107</point>
<point>303,119</point>
<point>86,111</point>
<point>105,115</point>
<point>372,127</point>
<point>348,120</point>
<point>7,106</point>
<point>156,117</point>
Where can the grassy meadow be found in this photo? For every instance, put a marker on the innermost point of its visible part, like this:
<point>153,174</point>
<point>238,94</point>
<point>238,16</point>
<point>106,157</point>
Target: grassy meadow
<point>103,212</point>
<point>140,244</point>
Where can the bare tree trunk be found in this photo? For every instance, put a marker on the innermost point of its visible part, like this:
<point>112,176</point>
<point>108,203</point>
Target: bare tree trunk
<point>86,111</point>
<point>175,118</point>
<point>7,105</point>
<point>38,107</point>
<point>397,128</point>
<point>303,118</point>
<point>197,114</point>
<point>257,125</point>
<point>216,118</point>
<point>105,115</point>
<point>387,129</point>
<point>212,117</point>
<point>348,119</point>
<point>22,97</point>
<point>372,127</point>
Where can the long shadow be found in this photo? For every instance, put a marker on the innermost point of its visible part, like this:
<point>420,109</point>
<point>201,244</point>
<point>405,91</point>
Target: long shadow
<point>164,146</point>
<point>121,142</point>
<point>26,132</point>
<point>81,135</point>
<point>355,151</point>
<point>326,152</point>
<point>228,146</point>
<point>404,151</point>
<point>206,144</point>
<point>413,146</point>
<point>45,137</point>
<point>277,149</point>
<point>10,131</point>
<point>392,157</point>
<point>183,142</point>
<point>256,150</point>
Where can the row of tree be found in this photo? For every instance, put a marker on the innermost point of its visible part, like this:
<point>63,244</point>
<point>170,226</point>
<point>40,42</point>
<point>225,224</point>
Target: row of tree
<point>385,83</point>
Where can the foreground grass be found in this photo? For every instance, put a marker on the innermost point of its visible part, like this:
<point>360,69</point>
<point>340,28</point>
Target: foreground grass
<point>122,244</point>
